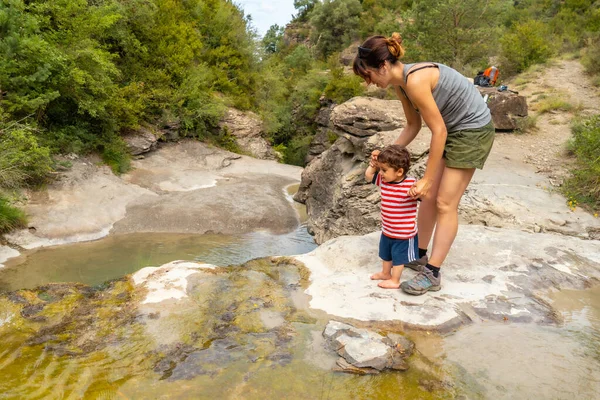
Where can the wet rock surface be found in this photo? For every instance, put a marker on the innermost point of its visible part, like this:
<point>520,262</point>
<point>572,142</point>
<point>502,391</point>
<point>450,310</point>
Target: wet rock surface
<point>364,352</point>
<point>176,324</point>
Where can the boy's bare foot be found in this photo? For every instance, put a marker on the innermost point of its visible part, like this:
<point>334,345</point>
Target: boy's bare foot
<point>380,276</point>
<point>389,284</point>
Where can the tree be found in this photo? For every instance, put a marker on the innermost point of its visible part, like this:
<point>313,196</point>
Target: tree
<point>304,7</point>
<point>336,24</point>
<point>272,40</point>
<point>460,33</point>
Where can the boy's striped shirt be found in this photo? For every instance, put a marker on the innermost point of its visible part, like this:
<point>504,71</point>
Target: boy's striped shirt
<point>398,210</point>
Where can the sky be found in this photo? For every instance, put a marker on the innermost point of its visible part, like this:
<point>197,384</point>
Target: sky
<point>268,12</point>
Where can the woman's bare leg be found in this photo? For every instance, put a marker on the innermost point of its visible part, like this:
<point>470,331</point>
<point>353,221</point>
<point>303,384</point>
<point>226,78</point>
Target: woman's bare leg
<point>428,210</point>
<point>453,184</point>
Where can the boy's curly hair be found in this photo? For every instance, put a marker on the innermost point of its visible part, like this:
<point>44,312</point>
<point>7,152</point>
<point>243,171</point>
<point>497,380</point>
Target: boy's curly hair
<point>396,156</point>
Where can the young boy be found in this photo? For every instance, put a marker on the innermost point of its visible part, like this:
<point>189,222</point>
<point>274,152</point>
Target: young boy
<point>399,243</point>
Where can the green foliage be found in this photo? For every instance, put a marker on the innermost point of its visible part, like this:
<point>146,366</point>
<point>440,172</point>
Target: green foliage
<point>460,33</point>
<point>298,62</point>
<point>584,184</point>
<point>115,154</point>
<point>553,103</point>
<point>342,86</point>
<point>295,152</point>
<point>336,24</point>
<point>225,140</point>
<point>527,124</point>
<point>22,159</point>
<point>304,7</point>
<point>10,217</point>
<point>87,70</point>
<point>591,57</point>
<point>524,45</point>
<point>272,41</point>
<point>381,17</point>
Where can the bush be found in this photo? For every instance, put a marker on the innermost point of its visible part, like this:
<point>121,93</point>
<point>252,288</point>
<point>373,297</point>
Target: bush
<point>584,184</point>
<point>591,57</point>
<point>116,155</point>
<point>525,44</point>
<point>295,152</point>
<point>22,159</point>
<point>343,87</point>
<point>10,217</point>
<point>553,103</point>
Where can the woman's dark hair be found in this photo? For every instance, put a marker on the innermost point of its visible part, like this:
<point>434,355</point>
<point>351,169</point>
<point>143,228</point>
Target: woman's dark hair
<point>395,156</point>
<point>375,51</point>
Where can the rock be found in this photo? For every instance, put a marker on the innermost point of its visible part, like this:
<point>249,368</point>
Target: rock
<point>523,265</point>
<point>247,128</point>
<point>345,366</point>
<point>365,116</point>
<point>141,140</point>
<point>170,129</point>
<point>295,33</point>
<point>401,344</point>
<point>361,348</point>
<point>365,353</point>
<point>399,364</point>
<point>323,138</point>
<point>506,108</point>
<point>348,54</point>
<point>339,201</point>
<point>180,180</point>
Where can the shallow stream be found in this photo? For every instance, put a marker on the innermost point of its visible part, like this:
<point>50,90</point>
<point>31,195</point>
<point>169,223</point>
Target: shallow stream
<point>279,353</point>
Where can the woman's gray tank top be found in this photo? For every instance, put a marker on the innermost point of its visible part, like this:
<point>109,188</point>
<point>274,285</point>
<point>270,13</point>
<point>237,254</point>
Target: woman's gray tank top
<point>459,102</point>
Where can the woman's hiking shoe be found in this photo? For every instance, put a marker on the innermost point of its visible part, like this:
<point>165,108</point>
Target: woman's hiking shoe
<point>418,264</point>
<point>422,283</point>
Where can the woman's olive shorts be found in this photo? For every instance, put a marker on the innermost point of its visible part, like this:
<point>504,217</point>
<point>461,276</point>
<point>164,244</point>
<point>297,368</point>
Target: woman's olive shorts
<point>469,148</point>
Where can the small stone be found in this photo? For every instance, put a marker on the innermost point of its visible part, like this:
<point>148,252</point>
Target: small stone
<point>345,366</point>
<point>399,364</point>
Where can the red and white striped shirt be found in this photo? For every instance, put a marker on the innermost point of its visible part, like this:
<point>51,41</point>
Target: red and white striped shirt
<point>398,209</point>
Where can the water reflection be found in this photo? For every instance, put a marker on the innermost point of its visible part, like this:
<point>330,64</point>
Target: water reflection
<point>506,361</point>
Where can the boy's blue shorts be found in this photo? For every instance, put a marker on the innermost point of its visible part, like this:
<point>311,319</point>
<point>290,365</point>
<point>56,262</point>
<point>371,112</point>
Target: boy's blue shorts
<point>398,251</point>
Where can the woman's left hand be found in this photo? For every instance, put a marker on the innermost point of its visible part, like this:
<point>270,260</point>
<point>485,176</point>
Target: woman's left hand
<point>420,188</point>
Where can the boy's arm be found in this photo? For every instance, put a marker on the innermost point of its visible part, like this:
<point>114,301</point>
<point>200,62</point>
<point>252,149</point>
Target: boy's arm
<point>370,172</point>
<point>373,167</point>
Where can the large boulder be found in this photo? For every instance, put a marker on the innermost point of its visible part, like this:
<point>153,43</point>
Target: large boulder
<point>507,108</point>
<point>325,135</point>
<point>339,201</point>
<point>349,53</point>
<point>142,140</point>
<point>247,129</point>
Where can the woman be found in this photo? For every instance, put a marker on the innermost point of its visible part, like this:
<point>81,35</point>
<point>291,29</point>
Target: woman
<point>462,137</point>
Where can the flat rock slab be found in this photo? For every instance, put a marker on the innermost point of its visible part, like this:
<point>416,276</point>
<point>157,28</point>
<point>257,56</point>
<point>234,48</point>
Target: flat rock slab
<point>508,194</point>
<point>235,206</point>
<point>6,253</point>
<point>179,188</point>
<point>490,273</point>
